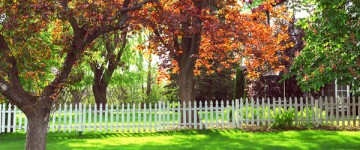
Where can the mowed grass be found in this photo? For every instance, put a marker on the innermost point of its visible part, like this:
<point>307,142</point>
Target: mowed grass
<point>191,139</point>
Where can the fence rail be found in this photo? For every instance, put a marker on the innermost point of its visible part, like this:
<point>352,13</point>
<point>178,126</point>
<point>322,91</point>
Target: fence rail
<point>162,116</point>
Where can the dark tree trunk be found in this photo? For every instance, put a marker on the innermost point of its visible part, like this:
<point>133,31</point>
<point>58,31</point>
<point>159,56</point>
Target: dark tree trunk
<point>37,131</point>
<point>99,91</point>
<point>190,46</point>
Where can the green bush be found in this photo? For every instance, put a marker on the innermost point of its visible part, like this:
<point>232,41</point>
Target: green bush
<point>283,119</point>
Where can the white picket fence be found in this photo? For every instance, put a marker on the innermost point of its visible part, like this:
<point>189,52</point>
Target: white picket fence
<point>162,116</point>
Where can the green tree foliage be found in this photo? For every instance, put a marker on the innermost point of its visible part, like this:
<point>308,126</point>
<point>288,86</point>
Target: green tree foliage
<point>332,49</point>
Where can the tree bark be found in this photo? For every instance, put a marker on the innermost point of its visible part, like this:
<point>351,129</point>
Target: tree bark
<point>37,131</point>
<point>99,91</point>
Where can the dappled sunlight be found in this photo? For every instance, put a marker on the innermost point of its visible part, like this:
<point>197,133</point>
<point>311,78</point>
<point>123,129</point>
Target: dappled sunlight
<point>195,139</point>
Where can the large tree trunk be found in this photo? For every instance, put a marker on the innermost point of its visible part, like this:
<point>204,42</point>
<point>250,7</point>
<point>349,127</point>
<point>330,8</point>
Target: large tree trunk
<point>99,91</point>
<point>190,46</point>
<point>37,131</point>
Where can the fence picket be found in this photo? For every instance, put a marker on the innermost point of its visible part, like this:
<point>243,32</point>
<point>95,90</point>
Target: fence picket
<point>337,112</point>
<point>95,117</point>
<point>145,114</point>
<point>217,114</point>
<point>106,117</point>
<point>111,117</point>
<point>332,111</point>
<point>139,117</point>
<point>89,117</point>
<point>301,111</point>
<point>8,118</point>
<point>150,117</point>
<point>269,115</point>
<point>122,117</point>
<point>195,115</point>
<point>320,108</point>
<point>168,115</point>
<point>241,112</point>
<point>1,118</point>
<point>326,109</point>
<point>84,117</point>
<point>307,110</point>
<point>70,117</point>
<point>353,107</point>
<point>200,115</point>
<point>133,117</point>
<point>190,120</point>
<point>252,111</point>
<point>75,118</point>
<point>274,107</point>
<point>296,111</point>
<point>173,115</point>
<point>206,115</point>
<point>257,112</point>
<point>26,124</point>
<point>263,111</point>
<point>14,118</point>
<point>211,115</point>
<point>233,114</point>
<point>228,113</point>
<point>128,117</point>
<point>101,117</point>
<point>179,115</point>
<point>247,111</point>
<point>59,118</point>
<point>348,111</point>
<point>184,114</point>
<point>65,112</point>
<point>316,113</point>
<point>155,117</point>
<point>117,117</point>
<point>222,113</point>
<point>20,120</point>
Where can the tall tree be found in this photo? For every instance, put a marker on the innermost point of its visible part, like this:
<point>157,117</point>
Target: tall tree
<point>114,46</point>
<point>190,33</point>
<point>79,22</point>
<point>332,45</point>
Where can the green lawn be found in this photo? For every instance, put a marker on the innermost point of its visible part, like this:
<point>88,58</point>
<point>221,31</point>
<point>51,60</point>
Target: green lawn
<point>189,139</point>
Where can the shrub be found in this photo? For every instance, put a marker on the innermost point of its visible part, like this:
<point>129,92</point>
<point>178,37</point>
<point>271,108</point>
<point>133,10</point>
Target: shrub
<point>283,119</point>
